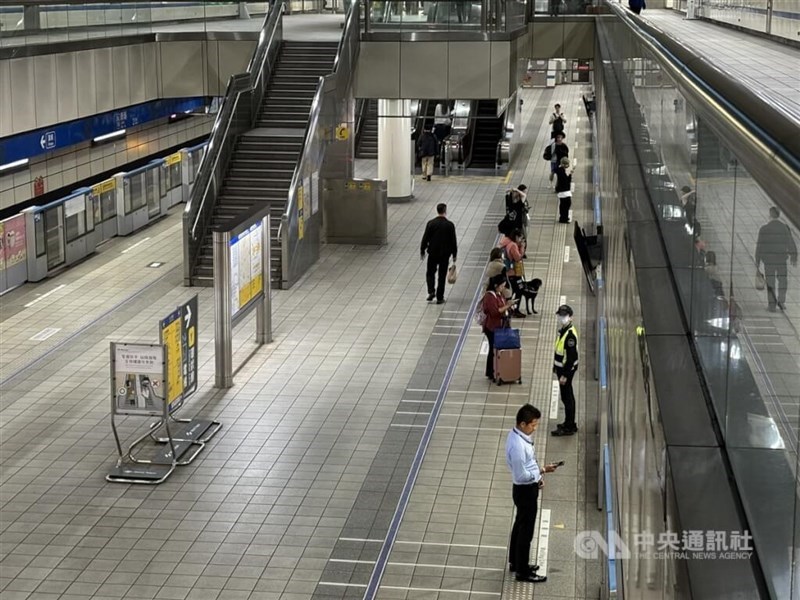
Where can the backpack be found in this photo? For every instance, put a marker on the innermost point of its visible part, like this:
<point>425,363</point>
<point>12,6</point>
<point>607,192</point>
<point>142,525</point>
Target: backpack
<point>558,125</point>
<point>480,314</point>
<point>548,152</point>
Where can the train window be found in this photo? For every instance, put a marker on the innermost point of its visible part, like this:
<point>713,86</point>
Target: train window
<point>38,230</point>
<point>162,181</point>
<point>109,204</point>
<point>153,198</point>
<point>174,175</point>
<point>75,218</point>
<point>54,236</point>
<point>134,199</point>
<point>97,208</point>
<point>90,220</point>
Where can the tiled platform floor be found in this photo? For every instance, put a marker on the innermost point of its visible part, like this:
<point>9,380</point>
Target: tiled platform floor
<point>259,514</point>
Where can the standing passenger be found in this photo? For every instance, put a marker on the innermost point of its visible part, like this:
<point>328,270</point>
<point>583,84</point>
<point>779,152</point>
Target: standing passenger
<point>527,479</point>
<point>565,364</point>
<point>557,121</point>
<point>441,123</point>
<point>558,150</point>
<point>564,190</point>
<point>495,306</point>
<point>439,240</point>
<point>636,5</point>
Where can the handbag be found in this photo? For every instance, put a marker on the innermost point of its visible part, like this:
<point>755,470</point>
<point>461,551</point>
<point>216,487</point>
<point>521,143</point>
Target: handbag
<point>506,339</point>
<point>760,281</point>
<point>452,273</point>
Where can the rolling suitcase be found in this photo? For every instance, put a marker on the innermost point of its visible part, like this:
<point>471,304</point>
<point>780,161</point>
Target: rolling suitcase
<point>508,366</point>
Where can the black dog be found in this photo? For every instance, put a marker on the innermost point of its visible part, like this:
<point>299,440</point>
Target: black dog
<point>529,290</point>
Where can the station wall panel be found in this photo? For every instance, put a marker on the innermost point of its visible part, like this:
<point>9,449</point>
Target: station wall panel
<point>67,86</point>
<point>120,75</point>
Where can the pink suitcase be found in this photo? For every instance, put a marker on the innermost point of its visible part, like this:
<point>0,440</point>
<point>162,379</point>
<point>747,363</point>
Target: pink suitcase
<point>508,366</point>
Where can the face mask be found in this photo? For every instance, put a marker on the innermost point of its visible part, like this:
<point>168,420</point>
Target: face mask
<point>563,320</point>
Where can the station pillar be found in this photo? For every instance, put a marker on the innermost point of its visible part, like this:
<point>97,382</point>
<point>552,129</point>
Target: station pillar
<point>396,149</point>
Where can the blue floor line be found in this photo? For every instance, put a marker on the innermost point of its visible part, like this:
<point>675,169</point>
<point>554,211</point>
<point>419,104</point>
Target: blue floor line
<point>402,504</point>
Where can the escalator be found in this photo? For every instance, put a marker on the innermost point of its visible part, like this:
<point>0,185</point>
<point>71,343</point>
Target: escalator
<point>368,131</point>
<point>486,129</point>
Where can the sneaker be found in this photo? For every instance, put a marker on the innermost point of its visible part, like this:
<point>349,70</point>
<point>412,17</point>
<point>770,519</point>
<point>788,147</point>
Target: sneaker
<point>431,297</point>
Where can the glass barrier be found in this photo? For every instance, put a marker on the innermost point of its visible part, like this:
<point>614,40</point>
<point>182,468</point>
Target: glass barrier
<point>775,17</point>
<point>734,259</point>
<point>447,15</point>
<point>28,23</point>
<point>555,8</point>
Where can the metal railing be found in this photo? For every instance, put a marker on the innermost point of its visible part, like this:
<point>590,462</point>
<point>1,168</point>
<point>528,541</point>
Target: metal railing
<point>239,110</point>
<point>332,105</point>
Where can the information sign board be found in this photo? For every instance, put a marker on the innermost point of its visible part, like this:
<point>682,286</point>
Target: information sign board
<point>247,280</point>
<point>137,379</point>
<point>178,333</point>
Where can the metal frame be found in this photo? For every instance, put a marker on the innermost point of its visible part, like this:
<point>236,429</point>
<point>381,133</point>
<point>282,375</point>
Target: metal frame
<point>225,320</point>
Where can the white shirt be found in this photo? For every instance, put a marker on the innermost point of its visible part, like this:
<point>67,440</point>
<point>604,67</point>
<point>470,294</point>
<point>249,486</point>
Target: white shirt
<point>441,117</point>
<point>521,458</point>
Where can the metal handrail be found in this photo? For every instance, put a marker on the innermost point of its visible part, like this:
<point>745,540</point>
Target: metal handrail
<point>351,22</point>
<point>197,210</point>
<point>742,118</point>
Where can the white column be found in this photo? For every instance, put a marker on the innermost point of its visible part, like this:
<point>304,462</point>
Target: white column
<point>395,148</point>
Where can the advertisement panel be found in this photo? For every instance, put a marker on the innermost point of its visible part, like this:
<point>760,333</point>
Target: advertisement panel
<point>14,243</point>
<point>171,338</point>
<point>137,376</point>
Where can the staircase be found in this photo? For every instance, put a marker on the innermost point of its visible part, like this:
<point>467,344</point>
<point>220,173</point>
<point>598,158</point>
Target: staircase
<point>368,140</point>
<point>488,129</point>
<point>262,165</point>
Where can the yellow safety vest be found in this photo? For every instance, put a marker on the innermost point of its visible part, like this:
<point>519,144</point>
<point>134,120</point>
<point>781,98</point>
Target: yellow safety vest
<point>558,361</point>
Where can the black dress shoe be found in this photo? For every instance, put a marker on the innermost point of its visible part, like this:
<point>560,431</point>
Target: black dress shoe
<point>563,432</point>
<point>430,297</point>
<point>442,301</point>
<point>532,578</point>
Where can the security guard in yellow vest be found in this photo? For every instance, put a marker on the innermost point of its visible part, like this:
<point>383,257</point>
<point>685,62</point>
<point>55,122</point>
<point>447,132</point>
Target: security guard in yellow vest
<point>565,364</point>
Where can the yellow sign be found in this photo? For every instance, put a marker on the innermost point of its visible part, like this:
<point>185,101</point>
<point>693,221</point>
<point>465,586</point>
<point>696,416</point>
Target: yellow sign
<point>342,133</point>
<point>365,185</point>
<point>301,226</point>
<point>105,186</point>
<point>350,185</point>
<point>171,338</point>
<point>172,159</point>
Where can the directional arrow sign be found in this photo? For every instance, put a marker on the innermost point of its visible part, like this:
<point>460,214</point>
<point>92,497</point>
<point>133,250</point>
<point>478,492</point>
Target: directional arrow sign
<point>43,142</point>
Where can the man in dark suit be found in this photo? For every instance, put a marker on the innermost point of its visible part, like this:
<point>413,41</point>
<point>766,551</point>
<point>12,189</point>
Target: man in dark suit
<point>775,244</point>
<point>439,240</point>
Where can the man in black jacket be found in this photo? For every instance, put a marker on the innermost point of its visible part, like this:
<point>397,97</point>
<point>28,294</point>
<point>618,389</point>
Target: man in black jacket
<point>439,240</point>
<point>775,244</point>
<point>427,152</point>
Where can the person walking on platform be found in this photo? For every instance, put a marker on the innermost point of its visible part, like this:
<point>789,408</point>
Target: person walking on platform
<point>775,244</point>
<point>564,190</point>
<point>637,6</point>
<point>427,152</point>
<point>565,364</point>
<point>557,121</point>
<point>439,241</point>
<point>527,479</point>
<point>495,307</point>
<point>558,150</point>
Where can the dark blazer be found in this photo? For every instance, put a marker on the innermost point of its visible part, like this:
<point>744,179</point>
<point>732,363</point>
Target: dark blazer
<point>427,144</point>
<point>775,244</point>
<point>439,239</point>
<point>563,180</point>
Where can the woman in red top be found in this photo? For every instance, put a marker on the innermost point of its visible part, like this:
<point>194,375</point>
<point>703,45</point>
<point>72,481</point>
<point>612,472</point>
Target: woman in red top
<point>495,307</point>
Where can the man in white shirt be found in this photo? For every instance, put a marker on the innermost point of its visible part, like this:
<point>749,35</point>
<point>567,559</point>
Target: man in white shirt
<point>527,478</point>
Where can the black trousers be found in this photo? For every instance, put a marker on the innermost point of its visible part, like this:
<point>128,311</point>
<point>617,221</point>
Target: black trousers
<point>568,400</point>
<point>435,263</point>
<point>775,275</point>
<point>526,500</point>
<point>490,357</point>
<point>564,204</point>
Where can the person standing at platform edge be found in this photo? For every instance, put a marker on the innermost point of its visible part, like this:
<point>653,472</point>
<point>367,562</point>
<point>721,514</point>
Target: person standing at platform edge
<point>439,240</point>
<point>565,364</point>
<point>527,479</point>
<point>775,244</point>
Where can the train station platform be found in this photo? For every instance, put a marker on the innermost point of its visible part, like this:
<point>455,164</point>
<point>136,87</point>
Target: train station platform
<point>298,493</point>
